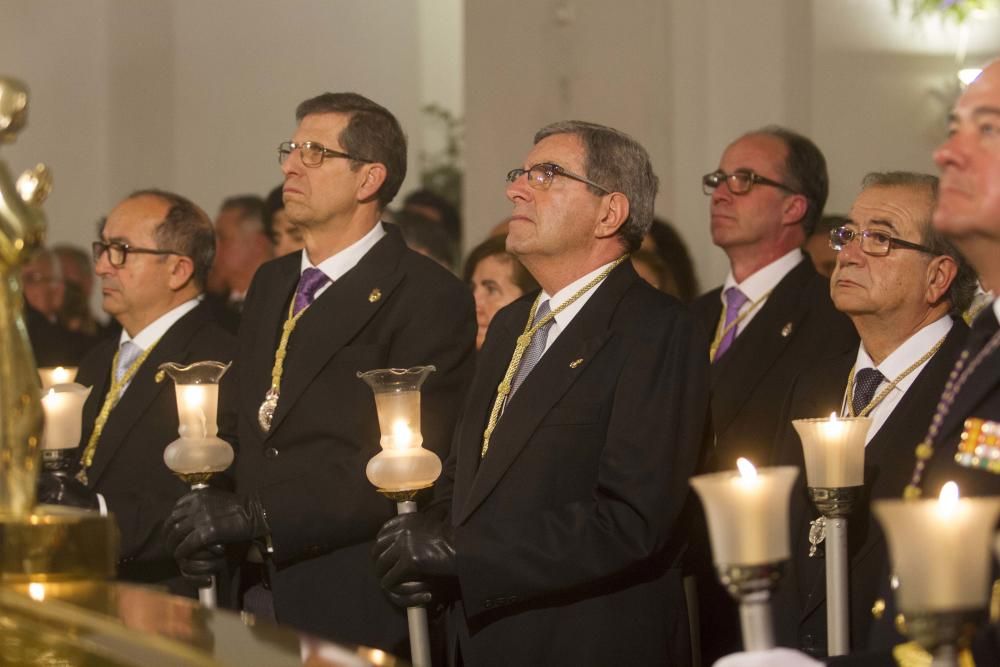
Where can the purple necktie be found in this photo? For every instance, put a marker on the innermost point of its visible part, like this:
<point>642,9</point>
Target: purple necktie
<point>734,301</point>
<point>309,283</point>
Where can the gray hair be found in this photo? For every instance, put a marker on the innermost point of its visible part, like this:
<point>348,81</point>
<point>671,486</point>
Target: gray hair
<point>619,163</point>
<point>963,287</point>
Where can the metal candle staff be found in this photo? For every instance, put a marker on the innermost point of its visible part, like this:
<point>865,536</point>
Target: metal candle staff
<point>940,552</point>
<point>834,451</point>
<point>199,453</point>
<point>748,527</point>
<point>403,467</point>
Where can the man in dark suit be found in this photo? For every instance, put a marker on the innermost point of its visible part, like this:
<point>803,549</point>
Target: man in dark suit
<point>567,478</point>
<point>901,283</point>
<point>154,254</point>
<point>968,214</point>
<point>772,318</point>
<point>356,299</point>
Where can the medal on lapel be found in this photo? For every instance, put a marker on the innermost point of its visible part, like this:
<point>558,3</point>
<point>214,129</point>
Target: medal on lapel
<point>980,445</point>
<point>266,412</point>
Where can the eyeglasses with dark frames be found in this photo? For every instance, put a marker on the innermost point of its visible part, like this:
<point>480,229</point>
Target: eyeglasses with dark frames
<point>313,153</point>
<point>873,242</point>
<point>740,182</point>
<point>540,176</point>
<point>118,252</point>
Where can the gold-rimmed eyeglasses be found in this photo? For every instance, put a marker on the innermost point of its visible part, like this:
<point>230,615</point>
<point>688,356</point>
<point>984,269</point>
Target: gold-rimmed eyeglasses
<point>873,242</point>
<point>313,153</point>
<point>540,176</point>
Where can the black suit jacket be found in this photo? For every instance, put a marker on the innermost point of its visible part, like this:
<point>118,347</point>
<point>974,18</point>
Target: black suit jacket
<point>128,468</point>
<point>800,605</point>
<point>796,327</point>
<point>565,533</point>
<point>394,309</point>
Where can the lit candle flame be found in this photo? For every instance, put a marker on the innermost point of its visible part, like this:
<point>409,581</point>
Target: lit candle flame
<point>833,416</point>
<point>949,495</point>
<point>52,392</point>
<point>402,435</point>
<point>747,470</point>
<point>60,375</point>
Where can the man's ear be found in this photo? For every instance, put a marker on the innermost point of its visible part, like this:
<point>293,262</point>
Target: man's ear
<point>794,210</point>
<point>613,214</point>
<point>181,271</point>
<point>941,272</point>
<point>375,175</point>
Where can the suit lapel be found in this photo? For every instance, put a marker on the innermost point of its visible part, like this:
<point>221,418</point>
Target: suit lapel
<point>756,349</point>
<point>548,382</point>
<point>980,384</point>
<point>336,317</point>
<point>144,389</point>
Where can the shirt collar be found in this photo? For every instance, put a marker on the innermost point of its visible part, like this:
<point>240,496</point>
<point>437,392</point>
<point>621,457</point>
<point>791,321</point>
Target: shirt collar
<point>153,332</point>
<point>564,317</point>
<point>906,354</point>
<point>766,279</point>
<point>337,265</point>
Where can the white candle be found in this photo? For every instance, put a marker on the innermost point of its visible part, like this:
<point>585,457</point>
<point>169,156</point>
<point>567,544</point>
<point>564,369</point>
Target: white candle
<point>399,419</point>
<point>197,410</point>
<point>940,549</point>
<point>58,375</point>
<point>747,513</point>
<point>63,407</point>
<point>834,450</point>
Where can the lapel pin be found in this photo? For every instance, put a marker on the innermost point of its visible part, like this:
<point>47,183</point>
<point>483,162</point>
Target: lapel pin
<point>375,295</point>
<point>786,330</point>
<point>574,364</point>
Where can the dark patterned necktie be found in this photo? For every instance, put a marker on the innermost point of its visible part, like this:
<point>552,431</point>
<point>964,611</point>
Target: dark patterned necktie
<point>866,381</point>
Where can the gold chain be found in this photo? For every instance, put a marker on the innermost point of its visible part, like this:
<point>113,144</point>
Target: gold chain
<point>848,404</point>
<point>110,401</point>
<point>721,332</point>
<point>503,389</point>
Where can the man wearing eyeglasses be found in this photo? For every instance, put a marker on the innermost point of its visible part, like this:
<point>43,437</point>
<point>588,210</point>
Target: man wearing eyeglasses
<point>585,419</point>
<point>154,255</point>
<point>301,522</point>
<point>904,286</point>
<point>772,317</point>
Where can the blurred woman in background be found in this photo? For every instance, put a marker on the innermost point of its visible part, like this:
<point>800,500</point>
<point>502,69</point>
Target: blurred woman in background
<point>497,278</point>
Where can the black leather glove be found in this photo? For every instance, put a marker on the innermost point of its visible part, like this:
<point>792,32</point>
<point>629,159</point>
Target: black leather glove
<point>208,517</point>
<point>202,565</point>
<point>415,559</point>
<point>64,490</point>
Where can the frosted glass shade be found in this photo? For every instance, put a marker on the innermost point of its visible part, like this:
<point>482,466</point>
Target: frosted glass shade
<point>941,552</point>
<point>403,470</point>
<point>834,451</point>
<point>63,407</point>
<point>747,516</point>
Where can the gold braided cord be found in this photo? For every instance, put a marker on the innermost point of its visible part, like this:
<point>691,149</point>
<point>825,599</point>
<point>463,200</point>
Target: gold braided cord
<point>286,332</point>
<point>721,332</point>
<point>503,389</point>
<point>874,403</point>
<point>110,401</point>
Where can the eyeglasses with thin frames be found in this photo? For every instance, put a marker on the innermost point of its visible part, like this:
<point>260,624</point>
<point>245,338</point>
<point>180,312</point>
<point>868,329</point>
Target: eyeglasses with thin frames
<point>540,176</point>
<point>740,182</point>
<point>313,153</point>
<point>118,252</point>
<point>873,242</point>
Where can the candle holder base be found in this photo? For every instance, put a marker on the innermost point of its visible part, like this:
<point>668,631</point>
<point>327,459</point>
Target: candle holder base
<point>404,495</point>
<point>743,580</point>
<point>934,630</point>
<point>59,461</point>
<point>836,502</point>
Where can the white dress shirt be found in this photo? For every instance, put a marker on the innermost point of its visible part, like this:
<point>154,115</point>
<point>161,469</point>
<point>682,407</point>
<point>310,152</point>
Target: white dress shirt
<point>756,286</point>
<point>337,265</point>
<point>562,319</point>
<point>901,358</point>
